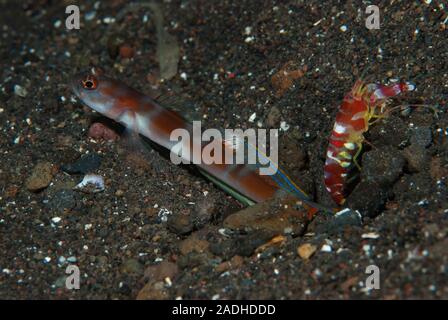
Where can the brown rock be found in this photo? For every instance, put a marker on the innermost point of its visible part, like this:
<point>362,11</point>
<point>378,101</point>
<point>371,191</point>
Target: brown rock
<point>203,212</point>
<point>151,212</point>
<point>159,272</point>
<point>285,77</point>
<point>100,131</point>
<point>223,267</point>
<point>368,198</point>
<point>119,193</point>
<point>40,177</point>
<point>273,117</point>
<point>382,166</point>
<point>234,263</point>
<point>273,217</point>
<point>64,141</point>
<point>291,150</point>
<point>12,191</point>
<point>417,158</point>
<point>126,51</point>
<point>193,243</point>
<point>180,224</point>
<point>305,251</point>
<point>132,266</point>
<point>153,291</point>
<point>437,170</point>
<point>153,79</point>
<point>275,241</point>
<point>350,282</point>
<point>139,161</point>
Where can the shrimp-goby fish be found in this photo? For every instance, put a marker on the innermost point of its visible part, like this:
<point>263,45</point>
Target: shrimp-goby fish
<point>144,115</point>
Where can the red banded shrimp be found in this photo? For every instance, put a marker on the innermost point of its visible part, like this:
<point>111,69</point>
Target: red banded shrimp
<point>359,107</point>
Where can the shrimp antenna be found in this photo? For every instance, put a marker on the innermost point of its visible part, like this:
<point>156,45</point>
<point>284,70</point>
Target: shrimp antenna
<point>365,70</point>
<point>434,108</point>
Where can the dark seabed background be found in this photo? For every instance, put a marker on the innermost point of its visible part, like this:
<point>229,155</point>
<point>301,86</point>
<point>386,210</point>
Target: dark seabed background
<point>159,231</point>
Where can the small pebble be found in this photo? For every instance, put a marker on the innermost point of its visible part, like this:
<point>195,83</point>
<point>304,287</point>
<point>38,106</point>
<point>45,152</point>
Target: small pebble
<point>41,177</point>
<point>86,164</point>
<point>366,248</point>
<point>126,51</point>
<point>91,183</point>
<point>90,15</point>
<point>108,20</point>
<point>305,251</point>
<point>342,220</point>
<point>273,117</point>
<point>284,126</point>
<point>132,266</point>
<point>63,200</point>
<point>421,136</point>
<point>382,166</point>
<point>99,131</point>
<point>180,224</point>
<point>56,219</point>
<point>193,244</point>
<point>168,282</point>
<point>163,214</point>
<point>370,235</point>
<point>252,117</point>
<point>417,158</point>
<point>161,271</point>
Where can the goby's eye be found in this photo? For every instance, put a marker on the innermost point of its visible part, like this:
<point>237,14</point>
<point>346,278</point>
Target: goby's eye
<point>89,83</point>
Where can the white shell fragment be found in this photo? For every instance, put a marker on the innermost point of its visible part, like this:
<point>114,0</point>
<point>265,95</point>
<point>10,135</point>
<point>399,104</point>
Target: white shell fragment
<point>252,117</point>
<point>347,211</point>
<point>284,126</point>
<point>91,183</point>
<point>370,235</point>
<point>163,214</point>
<point>56,219</point>
<point>20,91</point>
